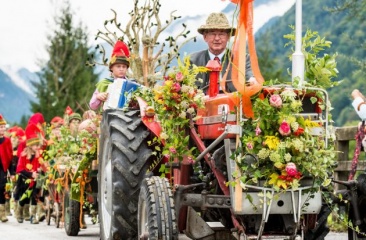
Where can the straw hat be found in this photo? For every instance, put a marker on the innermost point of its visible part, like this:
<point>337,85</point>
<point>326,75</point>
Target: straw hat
<point>217,21</point>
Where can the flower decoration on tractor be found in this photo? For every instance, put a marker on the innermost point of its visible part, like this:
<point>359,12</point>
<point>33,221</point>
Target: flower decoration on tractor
<point>283,146</point>
<point>175,99</point>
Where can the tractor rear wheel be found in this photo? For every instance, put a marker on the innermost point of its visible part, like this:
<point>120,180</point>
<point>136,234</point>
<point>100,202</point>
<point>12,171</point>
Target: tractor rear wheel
<point>124,160</point>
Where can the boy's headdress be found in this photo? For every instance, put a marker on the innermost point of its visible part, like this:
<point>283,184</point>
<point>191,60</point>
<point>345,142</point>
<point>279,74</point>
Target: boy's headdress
<point>120,54</point>
<point>32,134</point>
<point>2,120</point>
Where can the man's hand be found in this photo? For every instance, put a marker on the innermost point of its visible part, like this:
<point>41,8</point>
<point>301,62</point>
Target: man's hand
<point>251,81</point>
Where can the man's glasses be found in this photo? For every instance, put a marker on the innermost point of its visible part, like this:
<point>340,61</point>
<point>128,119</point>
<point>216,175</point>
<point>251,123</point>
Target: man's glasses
<point>217,34</point>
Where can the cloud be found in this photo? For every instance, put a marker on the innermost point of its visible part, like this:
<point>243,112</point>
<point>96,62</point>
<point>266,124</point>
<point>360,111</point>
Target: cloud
<point>25,24</point>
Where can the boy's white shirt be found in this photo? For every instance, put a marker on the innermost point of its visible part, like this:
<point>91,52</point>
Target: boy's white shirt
<point>362,112</point>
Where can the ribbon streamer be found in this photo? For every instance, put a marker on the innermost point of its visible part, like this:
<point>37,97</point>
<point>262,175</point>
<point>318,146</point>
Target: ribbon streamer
<point>238,64</point>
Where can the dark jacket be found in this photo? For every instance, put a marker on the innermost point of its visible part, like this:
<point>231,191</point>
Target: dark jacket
<point>201,58</point>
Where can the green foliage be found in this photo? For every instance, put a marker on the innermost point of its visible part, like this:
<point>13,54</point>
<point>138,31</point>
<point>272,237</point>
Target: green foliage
<point>344,29</point>
<point>64,78</point>
<point>179,96</point>
<point>319,70</point>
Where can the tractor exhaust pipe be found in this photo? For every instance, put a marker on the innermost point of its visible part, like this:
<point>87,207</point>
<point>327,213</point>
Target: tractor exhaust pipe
<point>298,58</point>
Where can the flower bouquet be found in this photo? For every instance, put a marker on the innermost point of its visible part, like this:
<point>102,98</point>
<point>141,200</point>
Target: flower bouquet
<point>280,145</point>
<point>175,99</point>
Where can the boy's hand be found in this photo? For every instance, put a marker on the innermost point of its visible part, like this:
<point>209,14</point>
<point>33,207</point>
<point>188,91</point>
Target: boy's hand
<point>102,96</point>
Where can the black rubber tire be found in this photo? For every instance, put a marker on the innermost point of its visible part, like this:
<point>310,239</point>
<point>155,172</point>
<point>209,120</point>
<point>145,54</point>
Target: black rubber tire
<point>353,235</point>
<point>321,230</point>
<point>124,158</point>
<point>72,215</point>
<point>156,212</point>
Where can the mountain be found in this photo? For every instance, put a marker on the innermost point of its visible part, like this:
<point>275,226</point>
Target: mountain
<point>17,91</point>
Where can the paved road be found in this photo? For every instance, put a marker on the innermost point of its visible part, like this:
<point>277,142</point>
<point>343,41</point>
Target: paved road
<point>12,230</point>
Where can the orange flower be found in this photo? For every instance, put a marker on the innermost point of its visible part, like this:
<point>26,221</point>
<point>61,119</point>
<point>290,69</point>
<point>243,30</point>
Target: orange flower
<point>29,166</point>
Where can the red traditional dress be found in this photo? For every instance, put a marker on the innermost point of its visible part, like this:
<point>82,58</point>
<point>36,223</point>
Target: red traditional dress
<point>6,154</point>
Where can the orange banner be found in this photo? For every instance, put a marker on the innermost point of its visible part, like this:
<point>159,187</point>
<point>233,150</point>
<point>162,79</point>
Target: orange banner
<point>243,35</point>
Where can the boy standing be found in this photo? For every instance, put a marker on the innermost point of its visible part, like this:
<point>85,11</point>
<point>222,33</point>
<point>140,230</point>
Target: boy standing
<point>118,67</point>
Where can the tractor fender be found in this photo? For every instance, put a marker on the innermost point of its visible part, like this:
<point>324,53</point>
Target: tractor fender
<point>149,122</point>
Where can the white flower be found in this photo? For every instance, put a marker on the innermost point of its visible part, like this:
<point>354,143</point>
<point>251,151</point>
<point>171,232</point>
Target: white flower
<point>288,95</point>
<point>185,88</point>
<point>263,153</point>
<point>275,157</point>
<point>287,157</point>
<point>298,144</point>
<point>294,126</point>
<point>184,104</point>
<point>183,115</point>
<point>164,136</point>
<point>190,110</point>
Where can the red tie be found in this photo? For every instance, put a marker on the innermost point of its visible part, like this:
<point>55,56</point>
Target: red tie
<point>217,59</point>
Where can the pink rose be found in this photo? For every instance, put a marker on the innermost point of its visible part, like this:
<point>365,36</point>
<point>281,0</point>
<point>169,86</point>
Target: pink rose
<point>250,145</point>
<point>190,160</point>
<point>291,169</point>
<point>285,129</point>
<point>173,150</point>
<point>176,87</point>
<point>179,77</point>
<point>257,131</point>
<point>275,101</point>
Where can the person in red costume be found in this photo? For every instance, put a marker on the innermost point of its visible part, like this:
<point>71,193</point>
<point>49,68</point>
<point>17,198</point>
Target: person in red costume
<point>6,154</point>
<point>29,167</point>
<point>38,120</point>
<point>16,135</point>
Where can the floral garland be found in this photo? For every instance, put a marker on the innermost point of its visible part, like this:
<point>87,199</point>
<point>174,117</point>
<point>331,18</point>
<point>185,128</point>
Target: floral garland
<point>280,145</point>
<point>70,155</point>
<point>174,100</point>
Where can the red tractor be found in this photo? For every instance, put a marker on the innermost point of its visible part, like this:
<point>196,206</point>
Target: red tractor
<point>135,202</point>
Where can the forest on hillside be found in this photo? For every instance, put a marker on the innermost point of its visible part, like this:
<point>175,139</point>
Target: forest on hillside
<point>346,29</point>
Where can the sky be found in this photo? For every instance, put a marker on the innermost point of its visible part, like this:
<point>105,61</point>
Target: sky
<point>24,24</point>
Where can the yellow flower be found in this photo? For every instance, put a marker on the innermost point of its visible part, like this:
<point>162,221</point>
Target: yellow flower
<point>309,123</point>
<point>169,83</point>
<point>272,142</point>
<point>273,178</point>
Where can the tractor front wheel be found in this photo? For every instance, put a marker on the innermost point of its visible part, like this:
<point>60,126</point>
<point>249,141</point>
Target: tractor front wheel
<point>156,213</point>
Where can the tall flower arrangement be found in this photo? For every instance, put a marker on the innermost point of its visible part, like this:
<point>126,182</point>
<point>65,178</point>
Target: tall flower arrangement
<point>175,99</point>
<point>280,145</point>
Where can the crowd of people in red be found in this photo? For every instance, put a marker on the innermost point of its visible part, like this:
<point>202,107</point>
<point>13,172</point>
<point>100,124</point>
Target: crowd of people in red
<point>22,162</point>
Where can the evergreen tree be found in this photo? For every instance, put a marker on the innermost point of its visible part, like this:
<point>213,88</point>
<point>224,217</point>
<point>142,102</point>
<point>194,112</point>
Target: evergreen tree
<point>266,62</point>
<point>65,80</point>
